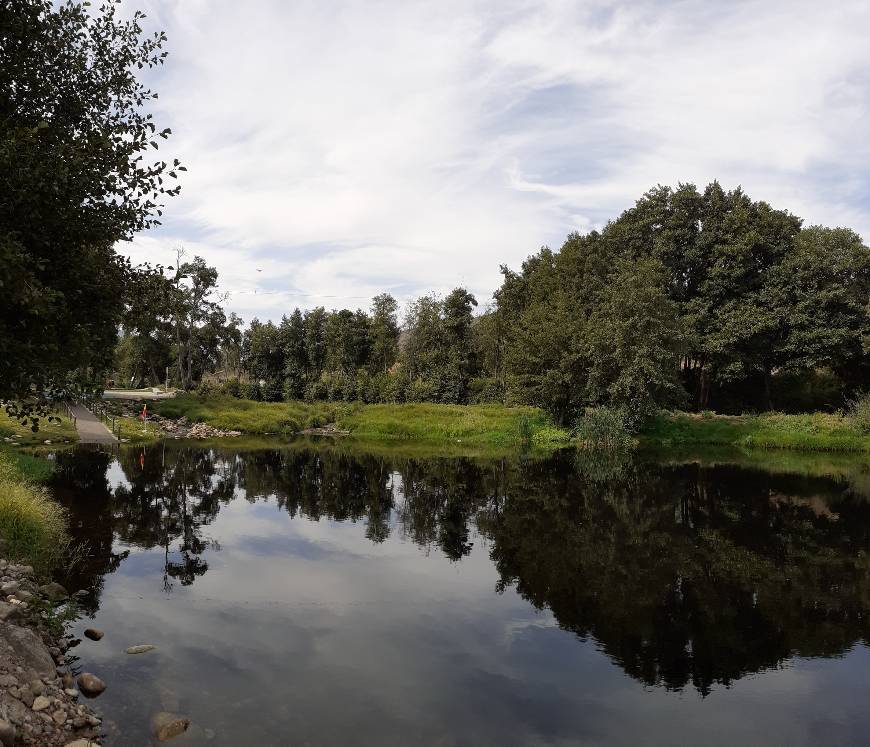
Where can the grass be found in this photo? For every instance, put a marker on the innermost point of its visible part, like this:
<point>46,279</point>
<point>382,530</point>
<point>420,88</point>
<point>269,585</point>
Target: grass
<point>488,426</point>
<point>31,523</point>
<point>14,433</point>
<point>810,432</point>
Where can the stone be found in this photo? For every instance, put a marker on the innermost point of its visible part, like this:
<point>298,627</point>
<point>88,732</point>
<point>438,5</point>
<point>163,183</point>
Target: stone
<point>37,687</point>
<point>91,685</point>
<point>71,692</point>
<point>94,634</point>
<point>29,649</point>
<point>141,648</point>
<point>165,725</point>
<point>8,611</point>
<point>41,703</point>
<point>54,592</point>
<point>22,595</point>
<point>9,587</point>
<point>7,733</point>
<point>59,716</point>
<point>82,743</point>
<point>7,681</point>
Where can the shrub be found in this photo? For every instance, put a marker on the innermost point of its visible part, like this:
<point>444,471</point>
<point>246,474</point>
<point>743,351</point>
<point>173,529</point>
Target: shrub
<point>605,428</point>
<point>859,411</point>
<point>232,388</point>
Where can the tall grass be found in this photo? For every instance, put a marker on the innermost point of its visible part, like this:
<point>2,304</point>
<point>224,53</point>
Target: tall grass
<point>31,523</point>
<point>604,428</point>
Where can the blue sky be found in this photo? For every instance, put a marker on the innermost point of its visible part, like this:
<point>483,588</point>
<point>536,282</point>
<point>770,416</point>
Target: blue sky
<point>340,148</point>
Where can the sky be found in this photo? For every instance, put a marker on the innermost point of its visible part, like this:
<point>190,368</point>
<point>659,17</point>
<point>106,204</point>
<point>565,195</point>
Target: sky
<point>337,149</point>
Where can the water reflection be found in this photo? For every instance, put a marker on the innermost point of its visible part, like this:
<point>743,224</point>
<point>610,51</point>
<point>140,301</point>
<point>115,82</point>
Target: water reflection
<point>682,573</point>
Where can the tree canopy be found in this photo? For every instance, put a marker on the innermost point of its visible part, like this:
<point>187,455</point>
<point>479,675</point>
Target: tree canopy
<point>76,177</point>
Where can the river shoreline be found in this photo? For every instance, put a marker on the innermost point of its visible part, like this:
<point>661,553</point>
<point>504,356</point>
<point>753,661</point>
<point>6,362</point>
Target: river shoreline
<point>39,699</point>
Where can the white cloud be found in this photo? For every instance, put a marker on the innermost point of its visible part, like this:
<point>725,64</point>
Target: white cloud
<point>348,147</point>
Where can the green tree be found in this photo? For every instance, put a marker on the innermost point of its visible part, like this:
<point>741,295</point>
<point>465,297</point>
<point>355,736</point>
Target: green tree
<point>384,333</point>
<point>75,179</point>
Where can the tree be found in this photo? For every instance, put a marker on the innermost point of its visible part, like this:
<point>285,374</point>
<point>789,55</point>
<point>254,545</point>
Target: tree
<point>75,179</point>
<point>384,333</point>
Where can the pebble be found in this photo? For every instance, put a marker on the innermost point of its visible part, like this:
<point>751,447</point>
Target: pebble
<point>71,692</point>
<point>41,703</point>
<point>91,685</point>
<point>141,648</point>
<point>59,716</point>
<point>94,634</point>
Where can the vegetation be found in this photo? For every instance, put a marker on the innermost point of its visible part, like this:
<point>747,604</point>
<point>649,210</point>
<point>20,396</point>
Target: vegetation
<point>75,178</point>
<point>689,298</point>
<point>58,429</point>
<point>476,425</point>
<point>811,432</point>
<point>31,523</point>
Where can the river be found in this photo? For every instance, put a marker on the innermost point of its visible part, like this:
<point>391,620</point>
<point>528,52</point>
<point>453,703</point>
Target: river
<point>317,594</point>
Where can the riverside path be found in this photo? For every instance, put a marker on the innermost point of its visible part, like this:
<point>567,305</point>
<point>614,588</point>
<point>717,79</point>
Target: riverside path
<point>91,430</point>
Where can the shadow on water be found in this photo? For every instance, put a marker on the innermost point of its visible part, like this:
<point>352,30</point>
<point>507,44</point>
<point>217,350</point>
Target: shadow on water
<point>687,570</point>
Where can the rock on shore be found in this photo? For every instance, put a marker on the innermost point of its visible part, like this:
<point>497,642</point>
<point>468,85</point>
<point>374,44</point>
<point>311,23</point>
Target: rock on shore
<point>37,706</point>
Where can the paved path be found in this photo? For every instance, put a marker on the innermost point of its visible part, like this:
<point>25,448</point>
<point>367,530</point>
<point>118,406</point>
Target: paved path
<point>91,429</point>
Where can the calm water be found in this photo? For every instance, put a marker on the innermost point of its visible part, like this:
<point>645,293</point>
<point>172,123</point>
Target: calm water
<point>312,596</point>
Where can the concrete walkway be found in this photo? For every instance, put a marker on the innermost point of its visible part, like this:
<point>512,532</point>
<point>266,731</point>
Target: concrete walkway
<point>91,429</point>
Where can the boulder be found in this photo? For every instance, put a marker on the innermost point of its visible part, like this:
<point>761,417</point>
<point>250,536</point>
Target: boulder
<point>94,634</point>
<point>7,733</point>
<point>91,685</point>
<point>54,592</point>
<point>165,726</point>
<point>29,649</point>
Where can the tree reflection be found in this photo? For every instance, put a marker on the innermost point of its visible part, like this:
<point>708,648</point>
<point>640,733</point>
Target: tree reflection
<point>683,574</point>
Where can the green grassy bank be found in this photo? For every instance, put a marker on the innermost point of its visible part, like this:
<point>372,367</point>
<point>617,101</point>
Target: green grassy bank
<point>32,525</point>
<point>13,433</point>
<point>811,432</point>
<point>472,425</point>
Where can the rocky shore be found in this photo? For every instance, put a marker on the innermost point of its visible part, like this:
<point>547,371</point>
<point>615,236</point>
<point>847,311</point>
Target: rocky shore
<point>180,428</point>
<point>39,694</point>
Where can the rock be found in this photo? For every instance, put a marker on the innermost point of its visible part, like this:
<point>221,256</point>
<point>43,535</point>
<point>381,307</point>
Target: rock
<point>82,743</point>
<point>68,681</point>
<point>41,703</point>
<point>29,649</point>
<point>9,587</point>
<point>7,733</point>
<point>165,726</point>
<point>94,634</point>
<point>22,595</point>
<point>71,692</point>
<point>54,592</point>
<point>7,681</point>
<point>91,685</point>
<point>8,611</point>
<point>59,716</point>
<point>141,648</point>
<point>37,687</point>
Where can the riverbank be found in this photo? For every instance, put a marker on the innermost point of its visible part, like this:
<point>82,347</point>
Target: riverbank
<point>808,432</point>
<point>31,523</point>
<point>470,425</point>
<point>38,696</point>
<point>499,426</point>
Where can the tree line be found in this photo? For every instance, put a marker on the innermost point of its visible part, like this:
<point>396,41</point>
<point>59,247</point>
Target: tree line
<point>690,299</point>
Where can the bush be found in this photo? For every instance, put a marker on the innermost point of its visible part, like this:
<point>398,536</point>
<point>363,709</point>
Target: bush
<point>859,412</point>
<point>485,390</point>
<point>605,428</point>
<point>232,388</point>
